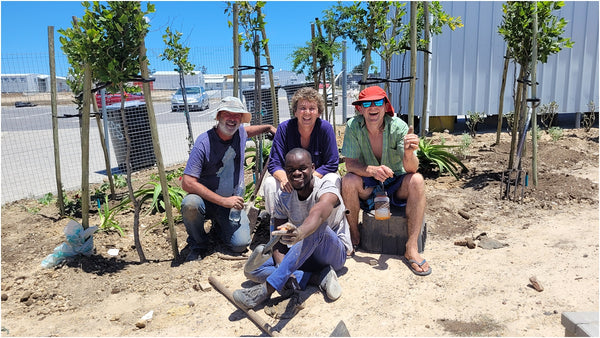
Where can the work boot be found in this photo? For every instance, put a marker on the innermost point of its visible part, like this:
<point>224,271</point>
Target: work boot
<point>329,283</point>
<point>250,297</point>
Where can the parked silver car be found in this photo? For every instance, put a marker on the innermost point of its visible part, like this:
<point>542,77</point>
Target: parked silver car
<point>197,99</point>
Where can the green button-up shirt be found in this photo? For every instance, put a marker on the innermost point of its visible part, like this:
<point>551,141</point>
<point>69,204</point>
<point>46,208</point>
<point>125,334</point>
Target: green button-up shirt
<point>357,145</point>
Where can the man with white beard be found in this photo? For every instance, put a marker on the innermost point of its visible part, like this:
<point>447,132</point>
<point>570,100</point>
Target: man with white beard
<point>214,169</point>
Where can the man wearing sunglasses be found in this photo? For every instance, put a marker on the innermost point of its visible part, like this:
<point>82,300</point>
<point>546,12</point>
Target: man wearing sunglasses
<point>380,154</point>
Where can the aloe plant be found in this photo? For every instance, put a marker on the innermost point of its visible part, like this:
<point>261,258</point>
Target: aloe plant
<point>432,155</point>
<point>107,216</point>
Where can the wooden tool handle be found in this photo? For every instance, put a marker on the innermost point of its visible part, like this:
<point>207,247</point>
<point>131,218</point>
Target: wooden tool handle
<point>254,317</point>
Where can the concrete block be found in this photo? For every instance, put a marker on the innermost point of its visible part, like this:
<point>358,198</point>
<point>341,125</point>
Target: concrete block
<point>580,324</point>
<point>388,236</point>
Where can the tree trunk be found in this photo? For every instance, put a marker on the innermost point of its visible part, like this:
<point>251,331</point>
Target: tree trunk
<point>128,166</point>
<point>367,57</point>
<point>186,110</point>
<point>516,120</point>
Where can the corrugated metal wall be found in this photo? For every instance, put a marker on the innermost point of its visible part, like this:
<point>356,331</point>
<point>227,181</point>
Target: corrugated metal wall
<point>466,64</point>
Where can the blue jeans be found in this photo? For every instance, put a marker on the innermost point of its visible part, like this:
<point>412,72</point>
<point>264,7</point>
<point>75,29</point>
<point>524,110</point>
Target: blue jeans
<point>312,254</point>
<point>195,211</point>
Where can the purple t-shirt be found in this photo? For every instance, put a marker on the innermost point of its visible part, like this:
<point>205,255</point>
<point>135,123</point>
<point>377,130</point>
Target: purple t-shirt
<point>216,163</point>
<point>322,146</point>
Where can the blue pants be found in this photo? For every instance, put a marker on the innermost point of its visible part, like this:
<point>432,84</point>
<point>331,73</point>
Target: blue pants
<point>312,254</point>
<point>195,211</point>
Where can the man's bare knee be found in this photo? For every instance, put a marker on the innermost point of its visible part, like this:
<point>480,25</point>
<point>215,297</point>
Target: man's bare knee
<point>351,182</point>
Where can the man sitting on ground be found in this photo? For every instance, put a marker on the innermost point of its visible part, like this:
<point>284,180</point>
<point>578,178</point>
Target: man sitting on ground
<point>315,236</point>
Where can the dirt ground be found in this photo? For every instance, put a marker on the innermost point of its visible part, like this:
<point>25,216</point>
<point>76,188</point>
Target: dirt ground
<point>552,235</point>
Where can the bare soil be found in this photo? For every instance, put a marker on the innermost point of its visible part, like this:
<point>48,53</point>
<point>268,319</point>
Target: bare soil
<point>551,234</point>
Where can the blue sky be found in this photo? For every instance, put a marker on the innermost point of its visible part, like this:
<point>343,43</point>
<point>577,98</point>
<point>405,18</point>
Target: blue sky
<point>203,23</point>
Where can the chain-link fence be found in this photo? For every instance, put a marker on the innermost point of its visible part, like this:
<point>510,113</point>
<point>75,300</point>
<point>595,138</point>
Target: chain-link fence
<point>28,168</point>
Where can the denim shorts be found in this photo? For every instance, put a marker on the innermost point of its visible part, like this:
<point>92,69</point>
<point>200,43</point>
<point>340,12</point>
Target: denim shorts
<point>391,185</point>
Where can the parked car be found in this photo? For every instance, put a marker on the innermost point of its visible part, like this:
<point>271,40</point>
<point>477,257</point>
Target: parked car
<point>116,98</point>
<point>197,99</point>
<point>20,104</point>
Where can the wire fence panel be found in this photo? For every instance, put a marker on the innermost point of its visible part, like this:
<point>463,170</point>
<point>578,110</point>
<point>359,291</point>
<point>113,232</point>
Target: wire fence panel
<point>28,168</point>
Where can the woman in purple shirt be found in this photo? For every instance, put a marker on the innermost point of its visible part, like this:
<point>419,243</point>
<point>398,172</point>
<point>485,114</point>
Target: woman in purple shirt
<point>305,130</point>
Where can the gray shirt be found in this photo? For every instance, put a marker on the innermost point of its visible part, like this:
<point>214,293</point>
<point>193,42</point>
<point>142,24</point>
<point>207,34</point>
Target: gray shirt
<point>288,206</point>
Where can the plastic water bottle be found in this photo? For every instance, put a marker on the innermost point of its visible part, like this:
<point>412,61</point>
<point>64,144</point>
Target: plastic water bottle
<point>382,206</point>
<point>235,214</point>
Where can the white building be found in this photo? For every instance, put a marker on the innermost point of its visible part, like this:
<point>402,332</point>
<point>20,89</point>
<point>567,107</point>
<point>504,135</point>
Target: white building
<point>466,64</point>
<point>225,81</point>
<point>286,77</point>
<point>170,80</point>
<point>31,83</point>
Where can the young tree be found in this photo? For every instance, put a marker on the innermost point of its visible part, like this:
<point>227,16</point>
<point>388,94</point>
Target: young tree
<point>178,54</point>
<point>254,38</point>
<point>517,30</point>
<point>107,42</point>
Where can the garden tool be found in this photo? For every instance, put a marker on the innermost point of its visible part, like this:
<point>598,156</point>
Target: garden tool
<point>517,177</point>
<point>261,254</point>
<point>256,319</point>
<point>340,330</point>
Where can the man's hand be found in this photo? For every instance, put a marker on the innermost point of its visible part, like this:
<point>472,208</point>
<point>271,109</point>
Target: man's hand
<point>290,234</point>
<point>380,173</point>
<point>236,202</point>
<point>270,134</point>
<point>411,140</point>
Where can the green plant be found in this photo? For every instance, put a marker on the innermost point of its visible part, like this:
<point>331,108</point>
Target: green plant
<point>474,118</point>
<point>170,175</point>
<point>465,143</point>
<point>72,206</point>
<point>178,54</point>
<point>32,210</point>
<point>556,133</point>
<point>548,114</point>
<point>510,119</point>
<point>107,217</point>
<point>589,117</point>
<point>119,181</point>
<point>538,132</point>
<point>342,169</point>
<point>436,155</point>
<point>153,190</point>
<point>251,156</point>
<point>47,199</point>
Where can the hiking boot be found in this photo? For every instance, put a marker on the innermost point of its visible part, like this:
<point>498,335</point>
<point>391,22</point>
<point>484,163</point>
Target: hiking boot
<point>250,297</point>
<point>329,283</point>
